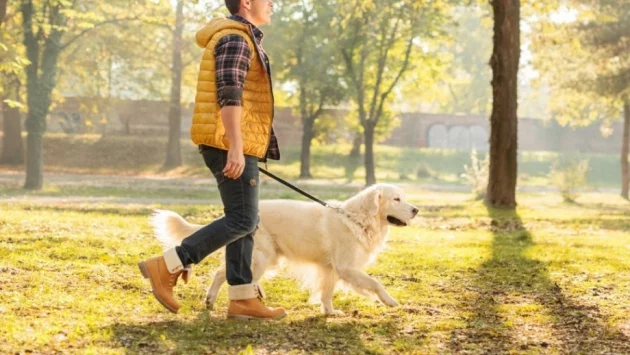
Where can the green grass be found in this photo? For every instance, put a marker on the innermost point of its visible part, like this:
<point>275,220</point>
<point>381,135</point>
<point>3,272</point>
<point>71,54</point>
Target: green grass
<point>551,278</point>
<point>207,192</point>
<point>118,155</point>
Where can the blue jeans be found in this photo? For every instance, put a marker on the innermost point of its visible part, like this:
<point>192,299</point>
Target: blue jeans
<point>236,229</point>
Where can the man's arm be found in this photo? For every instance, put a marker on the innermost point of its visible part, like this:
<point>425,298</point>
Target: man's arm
<point>233,57</point>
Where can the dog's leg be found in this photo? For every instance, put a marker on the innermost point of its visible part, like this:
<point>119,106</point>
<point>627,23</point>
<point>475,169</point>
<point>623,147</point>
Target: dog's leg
<point>363,281</point>
<point>260,262</point>
<point>213,290</point>
<point>328,280</point>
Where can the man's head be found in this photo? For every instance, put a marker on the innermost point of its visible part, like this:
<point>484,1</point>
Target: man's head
<point>258,12</point>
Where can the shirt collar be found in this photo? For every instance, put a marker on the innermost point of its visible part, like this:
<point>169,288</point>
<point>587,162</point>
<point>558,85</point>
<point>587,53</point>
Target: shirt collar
<point>257,32</point>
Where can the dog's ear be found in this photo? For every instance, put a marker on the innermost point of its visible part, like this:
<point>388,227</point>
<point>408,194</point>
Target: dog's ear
<point>372,202</point>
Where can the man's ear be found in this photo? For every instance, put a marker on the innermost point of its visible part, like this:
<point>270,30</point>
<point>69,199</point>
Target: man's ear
<point>372,202</point>
<point>246,4</point>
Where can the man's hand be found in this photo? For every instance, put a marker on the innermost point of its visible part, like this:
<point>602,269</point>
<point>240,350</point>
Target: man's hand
<point>231,117</point>
<point>235,163</point>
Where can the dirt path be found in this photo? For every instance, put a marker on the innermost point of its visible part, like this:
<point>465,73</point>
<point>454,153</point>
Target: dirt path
<point>157,182</point>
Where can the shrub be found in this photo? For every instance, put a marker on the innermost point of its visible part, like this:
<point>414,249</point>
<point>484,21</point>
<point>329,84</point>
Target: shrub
<point>568,174</point>
<point>476,174</point>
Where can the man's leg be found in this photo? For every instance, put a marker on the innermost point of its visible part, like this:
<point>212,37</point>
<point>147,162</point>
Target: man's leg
<point>241,218</point>
<point>235,229</point>
<point>240,202</point>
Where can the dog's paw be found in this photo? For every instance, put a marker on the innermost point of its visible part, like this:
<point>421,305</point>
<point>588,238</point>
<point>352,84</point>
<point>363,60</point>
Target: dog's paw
<point>334,313</point>
<point>390,302</point>
<point>394,303</point>
<point>209,303</point>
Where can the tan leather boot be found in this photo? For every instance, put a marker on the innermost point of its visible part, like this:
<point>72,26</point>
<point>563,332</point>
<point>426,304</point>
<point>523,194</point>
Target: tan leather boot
<point>163,272</point>
<point>250,308</point>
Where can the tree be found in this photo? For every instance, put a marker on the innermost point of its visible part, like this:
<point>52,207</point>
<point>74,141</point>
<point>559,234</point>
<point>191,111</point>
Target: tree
<point>467,76</point>
<point>377,39</point>
<point>12,145</point>
<point>593,82</point>
<point>308,59</point>
<point>3,10</point>
<point>12,65</point>
<point>173,149</point>
<point>140,57</point>
<point>625,150</point>
<point>504,62</point>
<point>46,23</point>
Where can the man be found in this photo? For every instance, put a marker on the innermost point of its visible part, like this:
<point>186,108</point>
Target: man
<point>232,125</point>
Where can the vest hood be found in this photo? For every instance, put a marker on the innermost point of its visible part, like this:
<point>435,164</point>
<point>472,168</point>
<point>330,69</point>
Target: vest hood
<point>215,25</point>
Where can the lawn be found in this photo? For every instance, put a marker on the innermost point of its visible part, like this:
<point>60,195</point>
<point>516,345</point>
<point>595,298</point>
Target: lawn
<point>117,155</point>
<point>550,278</point>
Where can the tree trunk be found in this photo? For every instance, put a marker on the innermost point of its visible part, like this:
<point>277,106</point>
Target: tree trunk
<point>503,120</point>
<point>305,154</point>
<point>3,10</point>
<point>173,149</point>
<point>355,152</point>
<point>34,162</point>
<point>12,145</point>
<point>625,150</point>
<point>370,177</point>
<point>39,88</point>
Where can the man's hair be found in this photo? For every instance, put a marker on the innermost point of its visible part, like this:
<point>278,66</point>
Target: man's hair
<point>233,5</point>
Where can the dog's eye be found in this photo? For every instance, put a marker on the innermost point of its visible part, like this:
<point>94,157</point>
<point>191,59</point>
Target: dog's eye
<point>397,199</point>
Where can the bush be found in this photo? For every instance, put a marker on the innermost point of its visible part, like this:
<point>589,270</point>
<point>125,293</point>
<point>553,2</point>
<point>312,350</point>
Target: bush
<point>476,174</point>
<point>568,174</point>
<point>424,172</point>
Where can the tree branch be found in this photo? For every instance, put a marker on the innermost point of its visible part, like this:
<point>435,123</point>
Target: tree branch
<point>99,24</point>
<point>349,58</point>
<point>386,45</point>
<point>391,87</point>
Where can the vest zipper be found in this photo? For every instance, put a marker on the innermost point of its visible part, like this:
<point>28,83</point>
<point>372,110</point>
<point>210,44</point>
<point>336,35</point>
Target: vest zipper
<point>273,106</point>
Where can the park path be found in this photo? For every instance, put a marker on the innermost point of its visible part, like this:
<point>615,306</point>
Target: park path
<point>187,183</point>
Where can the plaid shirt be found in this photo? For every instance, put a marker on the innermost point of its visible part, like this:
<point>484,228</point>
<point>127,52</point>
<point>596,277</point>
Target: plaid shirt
<point>233,57</point>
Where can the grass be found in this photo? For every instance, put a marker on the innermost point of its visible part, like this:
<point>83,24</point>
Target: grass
<point>551,278</point>
<point>165,191</point>
<point>118,155</point>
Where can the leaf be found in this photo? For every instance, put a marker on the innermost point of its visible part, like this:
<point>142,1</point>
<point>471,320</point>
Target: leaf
<point>13,104</point>
<point>249,350</point>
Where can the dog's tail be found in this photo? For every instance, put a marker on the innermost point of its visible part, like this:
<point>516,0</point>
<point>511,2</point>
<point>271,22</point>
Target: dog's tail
<point>170,228</point>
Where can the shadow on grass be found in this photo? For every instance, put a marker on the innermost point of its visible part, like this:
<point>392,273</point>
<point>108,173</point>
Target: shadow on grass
<point>208,334</point>
<point>511,277</point>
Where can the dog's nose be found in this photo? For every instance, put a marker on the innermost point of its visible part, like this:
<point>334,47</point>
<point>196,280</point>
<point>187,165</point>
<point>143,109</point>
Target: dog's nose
<point>414,211</point>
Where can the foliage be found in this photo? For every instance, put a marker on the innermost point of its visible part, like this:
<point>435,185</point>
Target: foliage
<point>380,41</point>
<point>568,174</point>
<point>465,83</point>
<point>12,59</point>
<point>126,64</point>
<point>476,174</point>
<point>304,59</point>
<point>585,60</point>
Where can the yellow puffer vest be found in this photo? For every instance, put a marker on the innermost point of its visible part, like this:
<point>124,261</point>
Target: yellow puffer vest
<point>207,126</point>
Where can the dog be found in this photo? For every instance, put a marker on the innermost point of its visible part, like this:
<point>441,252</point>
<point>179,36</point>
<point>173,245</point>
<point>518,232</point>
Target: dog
<point>322,245</point>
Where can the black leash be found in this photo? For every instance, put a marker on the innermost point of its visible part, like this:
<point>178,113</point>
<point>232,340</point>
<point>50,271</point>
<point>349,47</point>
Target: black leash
<point>296,189</point>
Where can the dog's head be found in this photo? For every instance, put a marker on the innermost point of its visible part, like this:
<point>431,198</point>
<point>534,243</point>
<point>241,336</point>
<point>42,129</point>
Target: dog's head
<point>388,203</point>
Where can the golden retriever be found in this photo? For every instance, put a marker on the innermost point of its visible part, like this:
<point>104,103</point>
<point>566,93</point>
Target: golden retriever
<point>322,245</point>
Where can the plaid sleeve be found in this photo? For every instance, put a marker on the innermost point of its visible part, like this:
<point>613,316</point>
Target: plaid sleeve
<point>233,57</point>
